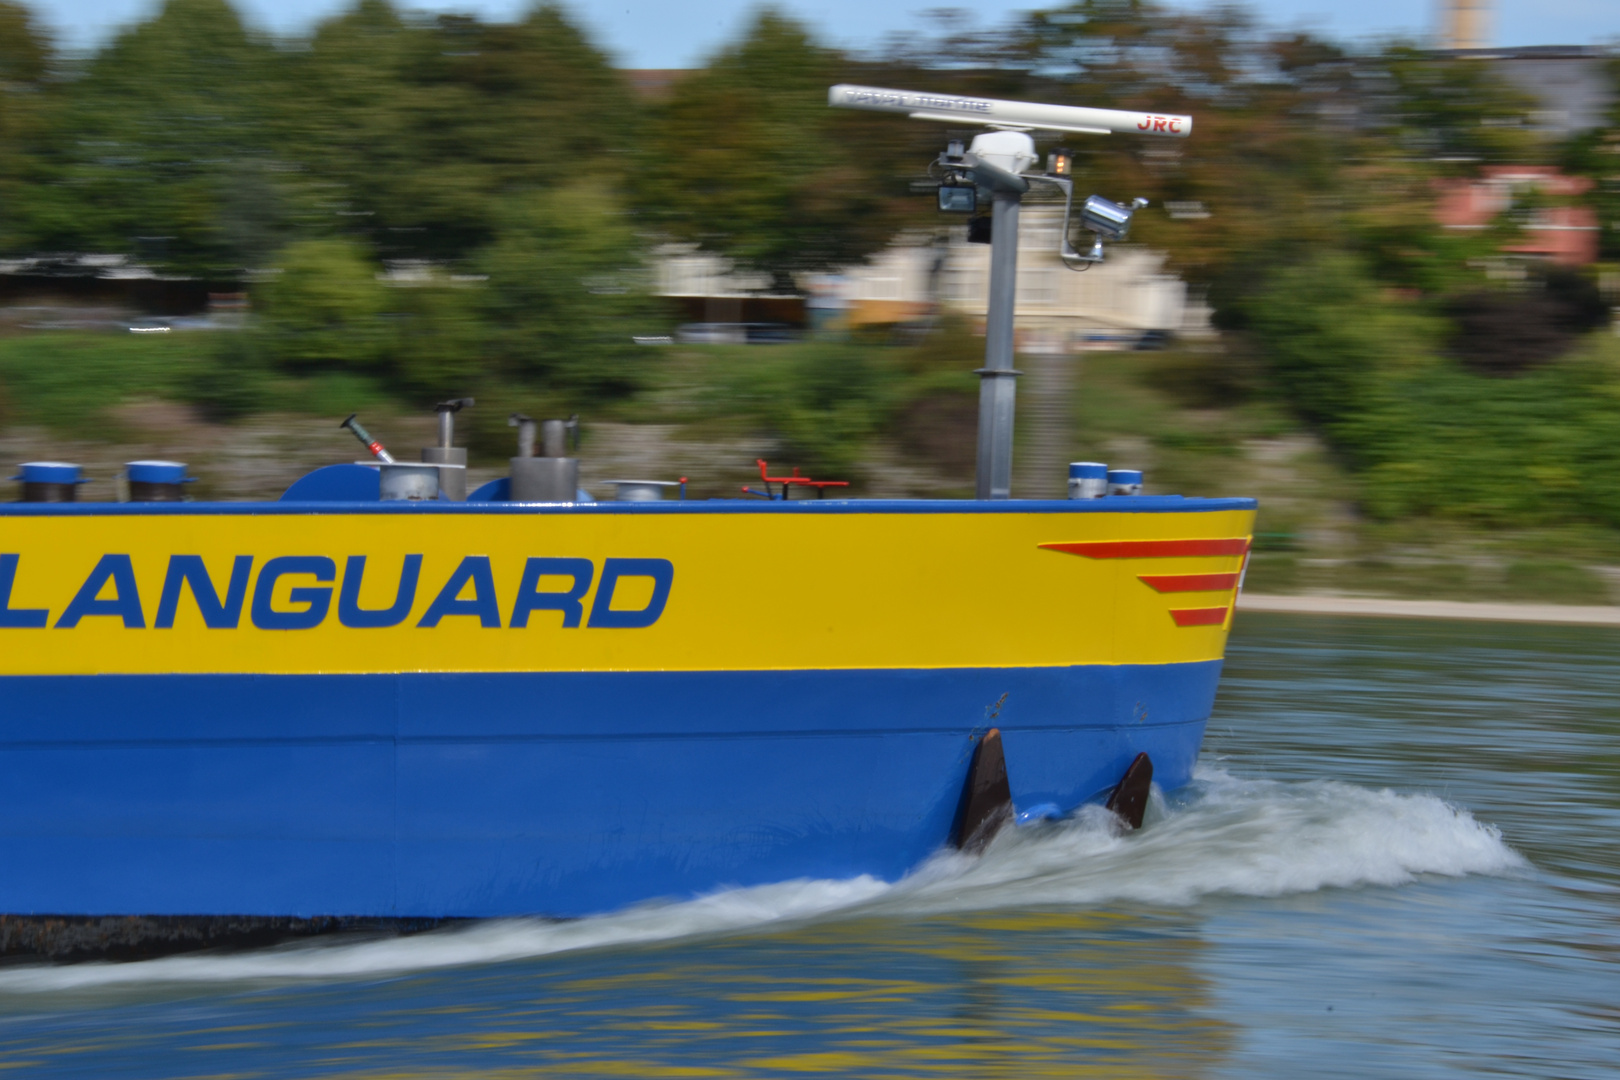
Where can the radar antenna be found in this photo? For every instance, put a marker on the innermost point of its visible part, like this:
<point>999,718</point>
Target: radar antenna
<point>998,163</point>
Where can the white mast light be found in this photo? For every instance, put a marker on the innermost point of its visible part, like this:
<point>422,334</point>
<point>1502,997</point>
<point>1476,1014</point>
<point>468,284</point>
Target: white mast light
<point>990,112</point>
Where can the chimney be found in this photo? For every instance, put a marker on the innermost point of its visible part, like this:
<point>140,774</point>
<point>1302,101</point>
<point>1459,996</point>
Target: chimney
<point>1464,24</point>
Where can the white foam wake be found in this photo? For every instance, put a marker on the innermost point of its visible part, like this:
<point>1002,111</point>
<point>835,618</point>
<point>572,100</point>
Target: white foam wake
<point>1222,836</point>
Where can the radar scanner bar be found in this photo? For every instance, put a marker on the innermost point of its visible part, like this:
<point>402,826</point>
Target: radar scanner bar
<point>991,112</point>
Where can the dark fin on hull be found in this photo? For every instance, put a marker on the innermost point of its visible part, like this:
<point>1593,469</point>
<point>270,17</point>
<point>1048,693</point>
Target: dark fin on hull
<point>1130,797</point>
<point>987,798</point>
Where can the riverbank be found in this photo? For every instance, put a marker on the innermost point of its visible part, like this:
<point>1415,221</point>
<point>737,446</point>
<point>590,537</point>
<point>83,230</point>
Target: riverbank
<point>1572,614</point>
<point>897,421</point>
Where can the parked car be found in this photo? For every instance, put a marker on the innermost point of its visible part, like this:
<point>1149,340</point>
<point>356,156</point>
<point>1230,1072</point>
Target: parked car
<point>768,333</point>
<point>736,333</point>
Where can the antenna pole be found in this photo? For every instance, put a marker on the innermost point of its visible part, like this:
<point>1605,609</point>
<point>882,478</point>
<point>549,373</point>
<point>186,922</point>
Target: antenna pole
<point>998,381</point>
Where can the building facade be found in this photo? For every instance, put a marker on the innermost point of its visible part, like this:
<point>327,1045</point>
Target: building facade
<point>1111,305</point>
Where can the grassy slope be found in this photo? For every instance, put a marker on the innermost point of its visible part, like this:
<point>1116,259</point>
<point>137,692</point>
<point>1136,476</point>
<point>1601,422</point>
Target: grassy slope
<point>1162,414</point>
<point>1174,415</point>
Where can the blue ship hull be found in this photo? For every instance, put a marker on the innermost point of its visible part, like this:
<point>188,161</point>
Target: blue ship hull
<point>435,795</point>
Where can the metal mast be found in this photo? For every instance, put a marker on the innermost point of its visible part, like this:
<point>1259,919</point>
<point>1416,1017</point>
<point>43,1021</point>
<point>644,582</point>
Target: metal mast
<point>998,163</point>
<point>998,381</point>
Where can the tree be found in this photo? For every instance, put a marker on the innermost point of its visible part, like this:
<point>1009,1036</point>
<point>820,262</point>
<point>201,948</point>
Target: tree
<point>566,290</point>
<point>413,133</point>
<point>747,158</point>
<point>154,145</point>
<point>1457,114</point>
<point>1596,154</point>
<point>323,308</point>
<point>1251,183</point>
<point>25,66</point>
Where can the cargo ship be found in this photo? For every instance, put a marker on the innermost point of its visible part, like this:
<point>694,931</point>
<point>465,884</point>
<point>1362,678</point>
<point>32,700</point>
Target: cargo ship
<point>439,709</point>
<point>385,700</point>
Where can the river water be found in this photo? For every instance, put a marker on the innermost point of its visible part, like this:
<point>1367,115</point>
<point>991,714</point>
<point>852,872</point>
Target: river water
<point>1401,858</point>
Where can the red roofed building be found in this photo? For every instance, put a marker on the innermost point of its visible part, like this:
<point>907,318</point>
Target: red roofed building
<point>1560,233</point>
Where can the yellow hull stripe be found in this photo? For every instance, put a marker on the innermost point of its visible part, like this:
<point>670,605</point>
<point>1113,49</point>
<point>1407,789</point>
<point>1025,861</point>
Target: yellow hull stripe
<point>742,592</point>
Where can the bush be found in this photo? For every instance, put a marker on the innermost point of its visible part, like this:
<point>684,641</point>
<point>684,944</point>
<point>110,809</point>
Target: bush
<point>1430,435</point>
<point>436,345</point>
<point>821,402</point>
<point>229,381</point>
<point>1542,448</point>
<point>1333,339</point>
<point>566,293</point>
<point>1504,333</point>
<point>324,308</point>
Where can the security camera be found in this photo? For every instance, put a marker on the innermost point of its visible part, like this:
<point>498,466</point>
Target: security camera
<point>1108,219</point>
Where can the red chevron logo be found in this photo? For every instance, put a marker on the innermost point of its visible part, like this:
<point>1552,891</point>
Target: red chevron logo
<point>1168,583</point>
<point>1199,616</point>
<point>1171,583</point>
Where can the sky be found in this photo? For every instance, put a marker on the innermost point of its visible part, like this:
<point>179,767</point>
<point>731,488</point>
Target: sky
<point>673,34</point>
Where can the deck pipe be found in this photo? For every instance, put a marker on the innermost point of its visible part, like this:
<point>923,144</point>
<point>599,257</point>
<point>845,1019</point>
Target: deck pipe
<point>156,481</point>
<point>49,482</point>
<point>1124,481</point>
<point>1087,480</point>
<point>553,476</point>
<point>451,458</point>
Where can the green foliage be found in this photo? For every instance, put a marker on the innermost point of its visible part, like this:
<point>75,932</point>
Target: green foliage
<point>566,292</point>
<point>160,147</point>
<point>25,59</point>
<point>1333,338</point>
<point>1539,449</point>
<point>25,54</point>
<point>1455,112</point>
<point>1428,434</point>
<point>747,158</point>
<point>826,403</point>
<point>230,379</point>
<point>1207,378</point>
<point>829,403</point>
<point>71,382</point>
<point>325,310</point>
<point>68,381</point>
<point>336,393</point>
<point>513,168</point>
<point>323,307</point>
<point>436,340</point>
<point>821,402</point>
<point>1595,154</point>
<point>415,132</point>
<point>950,349</point>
